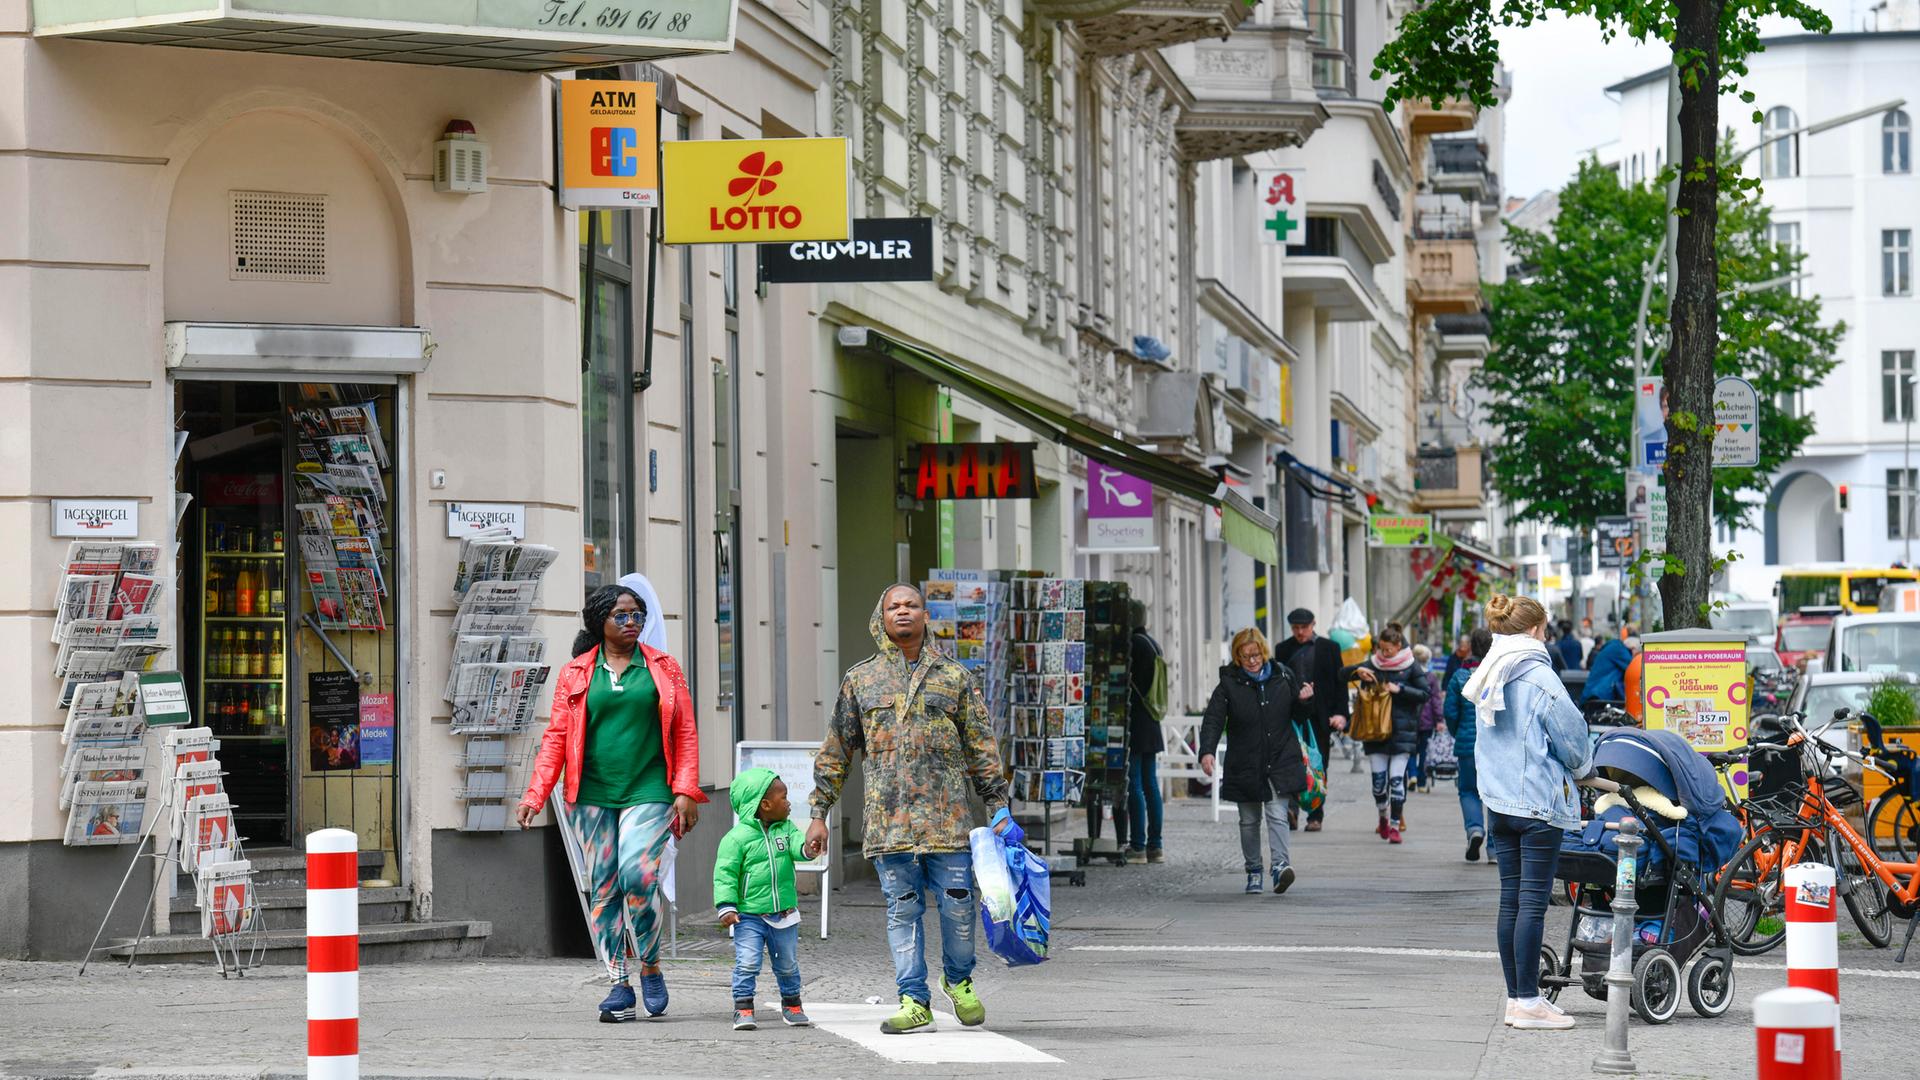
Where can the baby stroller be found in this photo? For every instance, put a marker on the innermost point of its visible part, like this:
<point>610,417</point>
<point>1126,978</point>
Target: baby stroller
<point>1689,833</point>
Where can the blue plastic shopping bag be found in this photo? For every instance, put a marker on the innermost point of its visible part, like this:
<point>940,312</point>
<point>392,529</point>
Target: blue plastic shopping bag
<point>1015,893</point>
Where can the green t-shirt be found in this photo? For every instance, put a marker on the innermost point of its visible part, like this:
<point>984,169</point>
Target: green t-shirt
<point>625,763</point>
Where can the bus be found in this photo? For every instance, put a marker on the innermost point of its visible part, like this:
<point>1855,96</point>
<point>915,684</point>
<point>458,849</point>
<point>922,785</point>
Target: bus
<point>1854,590</point>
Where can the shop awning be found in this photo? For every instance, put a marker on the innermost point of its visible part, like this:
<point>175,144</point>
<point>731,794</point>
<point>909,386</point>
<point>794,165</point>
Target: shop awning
<point>1321,484</point>
<point>1461,567</point>
<point>1243,525</point>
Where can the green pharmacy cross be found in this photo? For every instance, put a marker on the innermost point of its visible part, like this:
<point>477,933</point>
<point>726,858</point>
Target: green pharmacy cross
<point>1280,225</point>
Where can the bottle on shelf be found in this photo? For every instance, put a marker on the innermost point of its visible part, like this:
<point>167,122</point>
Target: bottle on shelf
<point>246,592</point>
<point>276,589</point>
<point>229,594</point>
<point>279,538</point>
<point>273,711</point>
<point>246,538</point>
<point>276,655</point>
<point>230,711</point>
<point>216,659</point>
<point>257,653</point>
<point>217,537</point>
<point>257,711</point>
<point>212,604</point>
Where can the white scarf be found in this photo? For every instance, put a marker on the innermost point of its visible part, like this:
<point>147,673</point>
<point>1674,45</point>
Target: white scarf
<point>1487,686</point>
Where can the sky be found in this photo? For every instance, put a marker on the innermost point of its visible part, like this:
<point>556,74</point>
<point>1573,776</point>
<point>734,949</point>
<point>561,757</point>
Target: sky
<point>1560,109</point>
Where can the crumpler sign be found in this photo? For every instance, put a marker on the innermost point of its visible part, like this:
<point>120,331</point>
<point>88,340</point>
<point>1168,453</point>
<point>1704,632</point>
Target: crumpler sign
<point>882,249</point>
<point>737,191</point>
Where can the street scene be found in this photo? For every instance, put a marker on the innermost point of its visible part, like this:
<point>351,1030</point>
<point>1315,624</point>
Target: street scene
<point>1097,537</point>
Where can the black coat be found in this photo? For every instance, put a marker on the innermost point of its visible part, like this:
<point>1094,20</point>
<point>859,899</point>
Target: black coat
<point>1406,705</point>
<point>1317,663</point>
<point>1264,761</point>
<point>1143,731</point>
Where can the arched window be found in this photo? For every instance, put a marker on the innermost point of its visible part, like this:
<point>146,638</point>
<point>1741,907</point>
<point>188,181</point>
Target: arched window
<point>1896,142</point>
<point>1779,157</point>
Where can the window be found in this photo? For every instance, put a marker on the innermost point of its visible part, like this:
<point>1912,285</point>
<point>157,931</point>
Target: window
<point>1899,504</point>
<point>1896,143</point>
<point>1779,152</point>
<point>1896,385</point>
<point>606,394</point>
<point>1896,262</point>
<point>1786,234</point>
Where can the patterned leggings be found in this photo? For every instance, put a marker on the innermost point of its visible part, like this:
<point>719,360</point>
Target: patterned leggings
<point>1389,784</point>
<point>623,851</point>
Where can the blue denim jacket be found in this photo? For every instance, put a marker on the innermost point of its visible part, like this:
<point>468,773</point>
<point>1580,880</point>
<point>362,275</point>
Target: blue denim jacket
<point>1537,747</point>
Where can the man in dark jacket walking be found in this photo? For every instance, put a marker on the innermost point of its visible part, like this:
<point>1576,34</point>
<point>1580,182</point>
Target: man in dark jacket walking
<point>1263,772</point>
<point>1322,700</point>
<point>1144,743</point>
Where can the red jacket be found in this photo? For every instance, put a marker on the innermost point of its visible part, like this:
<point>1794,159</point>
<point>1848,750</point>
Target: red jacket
<point>566,737</point>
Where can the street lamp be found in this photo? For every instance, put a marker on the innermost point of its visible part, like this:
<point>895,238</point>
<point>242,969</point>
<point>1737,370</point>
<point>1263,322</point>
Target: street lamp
<point>1906,468</point>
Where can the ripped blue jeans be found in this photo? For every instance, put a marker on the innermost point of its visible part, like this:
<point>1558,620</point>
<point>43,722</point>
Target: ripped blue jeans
<point>906,880</point>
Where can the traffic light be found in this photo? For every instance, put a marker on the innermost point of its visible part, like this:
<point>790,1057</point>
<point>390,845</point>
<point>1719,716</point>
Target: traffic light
<point>1842,501</point>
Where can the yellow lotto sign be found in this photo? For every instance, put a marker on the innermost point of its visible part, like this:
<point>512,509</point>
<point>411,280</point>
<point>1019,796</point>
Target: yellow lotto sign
<point>609,143</point>
<point>740,191</point>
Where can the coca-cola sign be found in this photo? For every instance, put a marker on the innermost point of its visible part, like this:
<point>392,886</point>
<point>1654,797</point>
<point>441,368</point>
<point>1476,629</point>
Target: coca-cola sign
<point>240,489</point>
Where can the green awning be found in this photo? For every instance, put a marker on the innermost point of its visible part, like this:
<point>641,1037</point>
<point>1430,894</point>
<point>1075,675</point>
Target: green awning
<point>1243,525</point>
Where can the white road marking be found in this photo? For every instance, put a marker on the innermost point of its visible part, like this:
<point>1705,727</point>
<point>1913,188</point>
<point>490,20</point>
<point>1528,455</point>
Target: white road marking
<point>1455,954</point>
<point>948,1043</point>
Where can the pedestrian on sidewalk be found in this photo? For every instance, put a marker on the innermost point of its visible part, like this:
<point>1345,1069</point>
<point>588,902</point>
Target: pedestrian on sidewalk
<point>1321,705</point>
<point>1253,705</point>
<point>1532,745</point>
<point>1459,714</point>
<point>755,893</point>
<point>1393,666</point>
<point>623,733</point>
<point>1147,703</point>
<point>1430,718</point>
<point>921,727</point>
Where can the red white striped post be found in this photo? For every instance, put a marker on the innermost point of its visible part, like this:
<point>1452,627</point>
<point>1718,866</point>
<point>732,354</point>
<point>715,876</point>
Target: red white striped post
<point>1797,1030</point>
<point>1813,938</point>
<point>333,955</point>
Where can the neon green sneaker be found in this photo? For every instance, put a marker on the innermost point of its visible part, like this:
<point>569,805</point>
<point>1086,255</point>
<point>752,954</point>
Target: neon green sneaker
<point>966,1004</point>
<point>912,1017</point>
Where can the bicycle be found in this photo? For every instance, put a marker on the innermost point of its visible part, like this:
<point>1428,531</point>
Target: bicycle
<point>1804,819</point>
<point>1893,820</point>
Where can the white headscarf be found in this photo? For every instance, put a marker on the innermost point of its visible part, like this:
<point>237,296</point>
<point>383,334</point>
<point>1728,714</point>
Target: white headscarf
<point>1487,686</point>
<point>653,632</point>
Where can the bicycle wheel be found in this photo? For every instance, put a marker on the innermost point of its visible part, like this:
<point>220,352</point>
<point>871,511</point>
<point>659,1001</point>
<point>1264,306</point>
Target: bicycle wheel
<point>1750,897</point>
<point>1893,828</point>
<point>1866,897</point>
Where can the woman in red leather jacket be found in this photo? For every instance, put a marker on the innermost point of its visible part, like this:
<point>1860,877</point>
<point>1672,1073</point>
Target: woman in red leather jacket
<point>623,733</point>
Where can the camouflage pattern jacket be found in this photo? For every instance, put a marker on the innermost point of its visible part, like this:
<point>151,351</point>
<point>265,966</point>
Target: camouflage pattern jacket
<point>924,737</point>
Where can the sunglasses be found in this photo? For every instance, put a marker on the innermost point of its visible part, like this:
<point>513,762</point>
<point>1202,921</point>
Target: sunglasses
<point>622,618</point>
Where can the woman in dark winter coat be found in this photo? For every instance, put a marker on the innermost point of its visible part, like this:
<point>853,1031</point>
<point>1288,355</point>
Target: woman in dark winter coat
<point>1392,665</point>
<point>1254,704</point>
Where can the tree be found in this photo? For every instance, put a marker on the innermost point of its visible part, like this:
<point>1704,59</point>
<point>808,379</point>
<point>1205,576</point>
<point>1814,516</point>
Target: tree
<point>1560,375</point>
<point>1446,48</point>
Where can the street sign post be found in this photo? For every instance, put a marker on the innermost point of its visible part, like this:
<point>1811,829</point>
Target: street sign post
<point>1619,544</point>
<point>1736,424</point>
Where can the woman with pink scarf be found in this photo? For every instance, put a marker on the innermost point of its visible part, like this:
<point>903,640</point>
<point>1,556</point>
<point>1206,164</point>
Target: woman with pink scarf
<point>1392,664</point>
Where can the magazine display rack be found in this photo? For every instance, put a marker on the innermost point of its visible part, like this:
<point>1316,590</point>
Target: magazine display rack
<point>498,667</point>
<point>341,498</point>
<point>107,628</point>
<point>202,841</point>
<point>967,618</point>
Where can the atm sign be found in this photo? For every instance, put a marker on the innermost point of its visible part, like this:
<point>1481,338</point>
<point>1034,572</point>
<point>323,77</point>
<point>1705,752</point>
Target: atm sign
<point>609,143</point>
<point>995,470</point>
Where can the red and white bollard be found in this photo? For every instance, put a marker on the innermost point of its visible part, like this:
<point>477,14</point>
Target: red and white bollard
<point>1797,1030</point>
<point>333,955</point>
<point>1813,939</point>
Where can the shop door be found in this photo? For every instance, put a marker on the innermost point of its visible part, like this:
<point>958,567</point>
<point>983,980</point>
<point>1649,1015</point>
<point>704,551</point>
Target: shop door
<point>290,624</point>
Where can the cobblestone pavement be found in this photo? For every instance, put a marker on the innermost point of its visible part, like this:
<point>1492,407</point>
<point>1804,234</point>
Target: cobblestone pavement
<point>1379,962</point>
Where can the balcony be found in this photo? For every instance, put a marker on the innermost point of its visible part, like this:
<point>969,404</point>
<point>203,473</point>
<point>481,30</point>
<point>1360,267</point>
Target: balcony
<point>1458,166</point>
<point>1445,276</point>
<point>1251,93</point>
<point>1462,337</point>
<point>1120,27</point>
<point>1332,268</point>
<point>1425,118</point>
<point>1448,479</point>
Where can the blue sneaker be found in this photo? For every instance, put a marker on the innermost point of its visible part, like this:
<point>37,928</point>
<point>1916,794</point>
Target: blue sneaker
<point>618,1006</point>
<point>653,993</point>
<point>1253,883</point>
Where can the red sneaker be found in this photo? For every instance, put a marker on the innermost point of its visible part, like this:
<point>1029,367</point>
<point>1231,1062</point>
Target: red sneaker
<point>1393,835</point>
<point>1380,830</point>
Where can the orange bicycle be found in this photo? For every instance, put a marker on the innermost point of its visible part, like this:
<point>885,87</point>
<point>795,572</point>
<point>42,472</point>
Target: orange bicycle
<point>1801,821</point>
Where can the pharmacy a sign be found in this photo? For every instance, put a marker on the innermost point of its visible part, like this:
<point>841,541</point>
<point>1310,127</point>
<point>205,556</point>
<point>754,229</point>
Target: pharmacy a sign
<point>1280,205</point>
<point>94,519</point>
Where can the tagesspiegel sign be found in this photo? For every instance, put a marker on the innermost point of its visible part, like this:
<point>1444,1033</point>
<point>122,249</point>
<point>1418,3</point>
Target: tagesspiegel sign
<point>96,518</point>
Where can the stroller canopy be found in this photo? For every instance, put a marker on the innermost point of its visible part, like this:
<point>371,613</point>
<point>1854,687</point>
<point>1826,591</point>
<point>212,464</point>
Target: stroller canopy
<point>1663,761</point>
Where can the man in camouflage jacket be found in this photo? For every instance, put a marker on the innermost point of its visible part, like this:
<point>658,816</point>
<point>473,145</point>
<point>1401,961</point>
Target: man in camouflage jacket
<point>922,726</point>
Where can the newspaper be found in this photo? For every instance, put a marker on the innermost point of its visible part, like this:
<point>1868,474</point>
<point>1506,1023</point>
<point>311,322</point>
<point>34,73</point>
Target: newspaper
<point>520,624</point>
<point>92,558</point>
<point>491,698</point>
<point>134,595</point>
<point>208,836</point>
<point>82,596</point>
<point>226,896</point>
<point>100,765</point>
<point>109,812</point>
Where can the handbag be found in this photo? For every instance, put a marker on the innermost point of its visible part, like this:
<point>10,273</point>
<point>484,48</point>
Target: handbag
<point>1016,894</point>
<point>1373,713</point>
<point>1315,795</point>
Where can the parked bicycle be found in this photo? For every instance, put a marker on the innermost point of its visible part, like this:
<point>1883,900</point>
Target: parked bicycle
<point>1893,820</point>
<point>1798,817</point>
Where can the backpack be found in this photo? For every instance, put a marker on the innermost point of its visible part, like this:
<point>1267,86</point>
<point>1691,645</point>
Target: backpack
<point>1156,696</point>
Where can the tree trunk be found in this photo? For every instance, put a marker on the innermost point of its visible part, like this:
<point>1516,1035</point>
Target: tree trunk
<point>1688,366</point>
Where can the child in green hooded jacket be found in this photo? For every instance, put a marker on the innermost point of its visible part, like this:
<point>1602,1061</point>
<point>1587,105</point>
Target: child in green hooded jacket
<point>754,890</point>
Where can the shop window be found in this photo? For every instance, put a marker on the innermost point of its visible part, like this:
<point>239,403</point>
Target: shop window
<point>606,395</point>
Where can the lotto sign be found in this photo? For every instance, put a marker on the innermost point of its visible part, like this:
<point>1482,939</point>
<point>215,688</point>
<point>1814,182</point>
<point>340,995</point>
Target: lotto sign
<point>609,143</point>
<point>1736,424</point>
<point>1280,204</point>
<point>1694,683</point>
<point>739,191</point>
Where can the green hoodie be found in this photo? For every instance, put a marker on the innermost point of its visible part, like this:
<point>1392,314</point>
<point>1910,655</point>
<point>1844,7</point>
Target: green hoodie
<point>753,873</point>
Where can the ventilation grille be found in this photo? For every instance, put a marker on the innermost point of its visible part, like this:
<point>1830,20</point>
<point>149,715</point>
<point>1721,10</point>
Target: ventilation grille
<point>278,237</point>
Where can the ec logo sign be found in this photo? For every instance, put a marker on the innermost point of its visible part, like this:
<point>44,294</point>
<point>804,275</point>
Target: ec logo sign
<point>615,151</point>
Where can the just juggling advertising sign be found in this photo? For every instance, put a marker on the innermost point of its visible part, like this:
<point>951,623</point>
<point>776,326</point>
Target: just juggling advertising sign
<point>1695,684</point>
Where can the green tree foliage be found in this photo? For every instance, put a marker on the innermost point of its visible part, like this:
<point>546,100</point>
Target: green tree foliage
<point>1561,371</point>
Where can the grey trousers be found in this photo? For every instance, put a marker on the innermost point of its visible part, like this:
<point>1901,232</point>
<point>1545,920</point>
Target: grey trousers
<point>1275,811</point>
